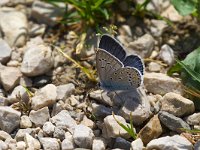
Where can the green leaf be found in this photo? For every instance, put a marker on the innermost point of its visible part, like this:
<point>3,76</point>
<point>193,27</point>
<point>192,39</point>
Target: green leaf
<point>175,68</point>
<point>184,7</point>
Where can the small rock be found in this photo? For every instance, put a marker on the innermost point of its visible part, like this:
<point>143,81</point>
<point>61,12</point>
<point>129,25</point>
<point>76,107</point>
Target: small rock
<point>4,135</point>
<point>158,27</point>
<point>101,97</point>
<point>9,77</point>
<point>64,120</point>
<point>37,59</point>
<point>19,29</point>
<point>21,145</point>
<point>19,93</point>
<point>83,136</point>
<point>197,145</point>
<point>59,133</point>
<point>50,143</point>
<point>67,145</point>
<point>31,142</point>
<point>172,14</point>
<point>154,67</point>
<point>151,130</point>
<point>10,118</point>
<point>193,119</point>
<point>40,116</point>
<point>125,30</point>
<point>175,142</point>
<point>122,143</point>
<point>159,83</point>
<point>58,107</point>
<point>25,122</point>
<point>65,90</point>
<point>25,81</point>
<point>137,144</point>
<point>37,30</point>
<point>143,46</point>
<point>47,13</point>
<point>46,96</point>
<point>12,144</point>
<point>21,133</point>
<point>112,129</point>
<point>100,110</point>
<point>3,145</point>
<point>99,144</point>
<point>177,105</point>
<point>172,122</point>
<point>40,81</point>
<point>48,128</point>
<point>5,52</point>
<point>87,122</point>
<point>167,54</point>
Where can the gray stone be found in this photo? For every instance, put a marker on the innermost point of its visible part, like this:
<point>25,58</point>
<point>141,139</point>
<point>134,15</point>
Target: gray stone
<point>9,77</point>
<point>177,105</point>
<point>4,135</point>
<point>37,59</point>
<point>9,118</point>
<point>175,142</point>
<point>25,81</point>
<point>197,145</point>
<point>154,67</point>
<point>137,144</point>
<point>67,145</point>
<point>101,110</point>
<point>83,136</point>
<point>46,96</point>
<point>21,145</point>
<point>37,30</point>
<point>172,122</point>
<point>143,46</point>
<point>193,119</point>
<point>50,143</point>
<point>12,144</point>
<point>21,133</point>
<point>40,116</point>
<point>65,90</point>
<point>19,28</point>
<point>159,83</point>
<point>88,122</point>
<point>59,133</point>
<point>31,142</point>
<point>167,54</point>
<point>25,122</point>
<point>112,129</point>
<point>122,143</point>
<point>46,13</point>
<point>99,144</point>
<point>48,128</point>
<point>5,52</point>
<point>64,120</point>
<point>3,145</point>
<point>158,27</point>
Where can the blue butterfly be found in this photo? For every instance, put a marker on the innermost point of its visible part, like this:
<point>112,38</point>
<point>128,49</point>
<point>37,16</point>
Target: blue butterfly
<point>116,70</point>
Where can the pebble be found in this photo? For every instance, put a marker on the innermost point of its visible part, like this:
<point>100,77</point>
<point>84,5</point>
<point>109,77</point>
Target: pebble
<point>4,135</point>
<point>167,119</point>
<point>158,27</point>
<point>47,13</point>
<point>5,52</point>
<point>112,129</point>
<point>48,128</point>
<point>9,77</point>
<point>154,67</point>
<point>197,145</point>
<point>31,142</point>
<point>63,91</point>
<point>83,136</point>
<point>143,46</point>
<point>122,143</point>
<point>151,130</point>
<point>50,143</point>
<point>59,133</point>
<point>21,145</point>
<point>45,96</point>
<point>193,119</point>
<point>25,122</point>
<point>39,117</point>
<point>21,133</point>
<point>88,122</point>
<point>159,83</point>
<point>10,118</point>
<point>67,145</point>
<point>58,107</point>
<point>177,105</point>
<point>15,21</point>
<point>3,145</point>
<point>101,111</point>
<point>37,30</point>
<point>137,144</point>
<point>167,54</point>
<point>25,81</point>
<point>99,144</point>
<point>64,120</point>
<point>37,59</point>
<point>175,142</point>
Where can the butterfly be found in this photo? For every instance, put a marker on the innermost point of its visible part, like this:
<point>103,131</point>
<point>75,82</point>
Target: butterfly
<point>117,71</point>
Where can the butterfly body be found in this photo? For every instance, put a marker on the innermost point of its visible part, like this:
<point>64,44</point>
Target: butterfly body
<point>116,70</point>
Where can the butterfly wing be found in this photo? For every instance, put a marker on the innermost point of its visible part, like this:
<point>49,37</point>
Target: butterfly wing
<point>126,78</point>
<point>112,46</point>
<point>106,65</point>
<point>134,61</point>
